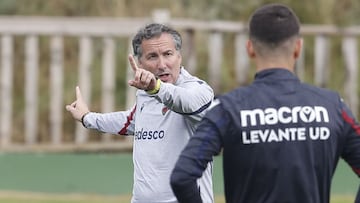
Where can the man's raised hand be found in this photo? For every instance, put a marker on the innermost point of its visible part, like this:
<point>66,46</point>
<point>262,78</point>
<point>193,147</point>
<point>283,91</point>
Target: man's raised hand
<point>143,79</point>
<point>78,108</point>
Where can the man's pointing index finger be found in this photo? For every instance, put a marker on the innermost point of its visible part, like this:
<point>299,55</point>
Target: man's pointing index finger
<point>133,63</point>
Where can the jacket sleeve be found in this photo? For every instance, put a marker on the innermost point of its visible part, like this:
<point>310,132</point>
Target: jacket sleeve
<point>193,160</point>
<point>190,98</point>
<point>351,148</point>
<point>121,122</point>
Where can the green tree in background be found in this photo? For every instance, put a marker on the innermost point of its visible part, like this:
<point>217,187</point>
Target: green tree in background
<point>342,12</point>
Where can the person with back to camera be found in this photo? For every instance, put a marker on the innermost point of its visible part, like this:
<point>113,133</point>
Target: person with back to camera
<point>169,104</point>
<point>280,139</point>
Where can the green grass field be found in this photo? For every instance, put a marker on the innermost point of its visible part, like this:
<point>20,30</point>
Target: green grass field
<point>100,177</point>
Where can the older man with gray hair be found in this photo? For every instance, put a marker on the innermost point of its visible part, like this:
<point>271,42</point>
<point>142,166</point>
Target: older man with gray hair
<point>170,102</point>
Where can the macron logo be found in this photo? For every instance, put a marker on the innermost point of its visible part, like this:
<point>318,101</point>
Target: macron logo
<point>284,115</point>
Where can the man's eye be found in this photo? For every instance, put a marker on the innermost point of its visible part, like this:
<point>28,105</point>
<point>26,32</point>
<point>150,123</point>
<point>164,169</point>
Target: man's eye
<point>151,57</point>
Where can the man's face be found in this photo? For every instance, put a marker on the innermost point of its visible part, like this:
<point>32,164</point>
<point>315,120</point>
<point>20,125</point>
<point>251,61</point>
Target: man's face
<point>160,57</point>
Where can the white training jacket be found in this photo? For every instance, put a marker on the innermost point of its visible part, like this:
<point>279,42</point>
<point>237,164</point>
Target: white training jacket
<point>162,125</point>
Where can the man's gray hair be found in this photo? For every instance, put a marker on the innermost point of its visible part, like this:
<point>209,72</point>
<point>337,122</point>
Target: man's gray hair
<point>154,30</point>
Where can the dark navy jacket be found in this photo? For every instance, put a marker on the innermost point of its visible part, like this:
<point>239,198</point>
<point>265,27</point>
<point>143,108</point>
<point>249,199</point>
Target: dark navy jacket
<point>280,139</point>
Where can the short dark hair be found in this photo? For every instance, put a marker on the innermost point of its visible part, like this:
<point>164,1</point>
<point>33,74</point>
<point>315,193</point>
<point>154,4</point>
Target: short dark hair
<point>154,30</point>
<point>273,24</point>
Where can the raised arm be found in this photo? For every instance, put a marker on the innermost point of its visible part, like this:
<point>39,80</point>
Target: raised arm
<point>121,122</point>
<point>191,97</point>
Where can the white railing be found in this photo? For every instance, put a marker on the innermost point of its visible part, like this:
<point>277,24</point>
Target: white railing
<point>86,29</point>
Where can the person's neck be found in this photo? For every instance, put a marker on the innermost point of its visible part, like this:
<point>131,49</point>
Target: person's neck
<point>261,65</point>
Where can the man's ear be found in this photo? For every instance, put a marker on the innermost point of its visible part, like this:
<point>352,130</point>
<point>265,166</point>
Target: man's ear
<point>250,49</point>
<point>180,56</point>
<point>298,48</point>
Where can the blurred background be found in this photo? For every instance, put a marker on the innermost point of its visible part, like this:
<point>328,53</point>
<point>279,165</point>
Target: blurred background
<point>49,47</point>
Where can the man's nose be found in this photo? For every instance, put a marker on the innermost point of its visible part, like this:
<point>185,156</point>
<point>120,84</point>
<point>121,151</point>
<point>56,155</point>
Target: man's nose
<point>162,62</point>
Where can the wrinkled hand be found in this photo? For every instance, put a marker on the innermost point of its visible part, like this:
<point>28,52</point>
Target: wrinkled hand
<point>78,108</point>
<point>143,79</point>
